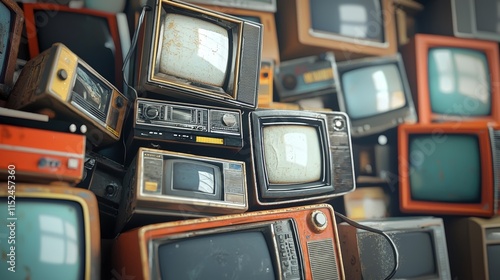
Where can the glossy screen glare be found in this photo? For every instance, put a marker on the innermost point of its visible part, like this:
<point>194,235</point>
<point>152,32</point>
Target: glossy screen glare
<point>292,154</point>
<point>373,90</point>
<point>459,82</point>
<point>194,177</point>
<point>194,49</point>
<point>49,240</point>
<point>92,91</point>
<point>5,22</point>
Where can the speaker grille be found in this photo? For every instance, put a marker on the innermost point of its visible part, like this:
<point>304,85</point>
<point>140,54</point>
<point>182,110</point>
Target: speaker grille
<point>323,260</point>
<point>495,145</point>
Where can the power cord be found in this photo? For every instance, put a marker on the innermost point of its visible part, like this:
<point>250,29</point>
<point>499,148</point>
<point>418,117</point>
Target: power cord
<point>374,230</point>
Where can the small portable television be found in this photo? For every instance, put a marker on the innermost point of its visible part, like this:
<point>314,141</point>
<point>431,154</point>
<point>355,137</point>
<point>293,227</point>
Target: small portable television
<point>255,5</point>
<point>462,18</point>
<point>298,156</point>
<point>382,101</point>
<point>449,168</point>
<point>420,242</point>
<point>453,79</point>
<point>164,184</point>
<point>270,48</point>
<point>289,243</point>
<point>474,247</point>
<point>64,86</point>
<point>48,23</point>
<point>348,28</point>
<point>191,54</point>
<point>51,232</point>
<point>11,24</point>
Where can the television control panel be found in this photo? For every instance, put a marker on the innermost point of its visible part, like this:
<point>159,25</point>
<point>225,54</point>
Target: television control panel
<point>289,259</point>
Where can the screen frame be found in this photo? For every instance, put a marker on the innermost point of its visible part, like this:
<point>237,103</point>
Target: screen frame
<point>14,33</point>
<point>297,39</point>
<point>111,18</point>
<point>415,55</point>
<point>268,193</point>
<point>383,121</point>
<point>90,216</point>
<point>253,5</point>
<point>485,207</point>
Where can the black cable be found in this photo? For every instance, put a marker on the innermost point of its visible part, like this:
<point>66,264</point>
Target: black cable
<point>374,230</point>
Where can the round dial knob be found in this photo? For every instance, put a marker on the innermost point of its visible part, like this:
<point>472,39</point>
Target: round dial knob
<point>151,112</point>
<point>229,120</point>
<point>319,221</point>
<point>289,81</point>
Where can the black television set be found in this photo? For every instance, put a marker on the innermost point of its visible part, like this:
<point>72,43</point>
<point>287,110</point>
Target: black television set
<point>382,101</point>
<point>11,24</point>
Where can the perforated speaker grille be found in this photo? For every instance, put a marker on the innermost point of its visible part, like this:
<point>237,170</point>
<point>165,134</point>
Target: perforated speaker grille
<point>323,260</point>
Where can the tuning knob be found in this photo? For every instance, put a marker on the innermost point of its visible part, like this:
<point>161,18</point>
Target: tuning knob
<point>150,112</point>
<point>229,120</point>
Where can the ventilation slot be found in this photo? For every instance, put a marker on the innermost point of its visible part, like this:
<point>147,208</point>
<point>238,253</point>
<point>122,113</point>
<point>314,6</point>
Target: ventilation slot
<point>323,260</point>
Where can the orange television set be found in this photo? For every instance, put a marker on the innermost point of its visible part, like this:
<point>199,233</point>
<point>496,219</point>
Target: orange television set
<point>289,243</point>
<point>349,28</point>
<point>49,232</point>
<point>449,168</point>
<point>453,79</point>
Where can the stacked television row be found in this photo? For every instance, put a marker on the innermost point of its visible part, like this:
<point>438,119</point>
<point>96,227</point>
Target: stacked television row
<point>224,127</point>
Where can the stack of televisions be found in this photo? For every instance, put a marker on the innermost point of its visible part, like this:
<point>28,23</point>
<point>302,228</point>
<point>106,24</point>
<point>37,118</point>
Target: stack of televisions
<point>218,147</point>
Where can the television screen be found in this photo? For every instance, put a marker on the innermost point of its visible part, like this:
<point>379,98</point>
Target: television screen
<point>199,55</point>
<point>349,28</point>
<point>493,253</point>
<point>453,79</point>
<point>188,176</point>
<point>448,168</point>
<point>88,90</point>
<point>47,24</point>
<point>384,98</point>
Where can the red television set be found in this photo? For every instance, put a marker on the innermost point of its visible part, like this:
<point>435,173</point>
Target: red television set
<point>188,53</point>
<point>289,243</point>
<point>11,24</point>
<point>474,247</point>
<point>50,231</point>
<point>453,79</point>
<point>449,168</point>
<point>99,38</point>
<point>348,28</point>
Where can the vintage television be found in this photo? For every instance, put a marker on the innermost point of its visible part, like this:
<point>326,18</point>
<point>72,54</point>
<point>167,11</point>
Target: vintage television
<point>11,24</point>
<point>163,184</point>
<point>449,168</point>
<point>420,242</point>
<point>453,79</point>
<point>289,243</point>
<point>461,18</point>
<point>299,156</point>
<point>382,101</point>
<point>191,54</point>
<point>474,247</point>
<point>51,232</point>
<point>60,84</point>
<point>270,48</point>
<point>349,28</point>
<point>256,5</point>
<point>101,39</point>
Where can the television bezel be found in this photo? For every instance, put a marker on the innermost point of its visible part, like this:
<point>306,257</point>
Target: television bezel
<point>487,206</point>
<point>301,192</point>
<point>383,121</point>
<point>113,24</point>
<point>297,38</point>
<point>90,211</point>
<point>133,250</point>
<point>270,6</point>
<point>416,53</point>
<point>242,77</point>
<point>270,47</point>
<point>14,33</point>
<point>435,225</point>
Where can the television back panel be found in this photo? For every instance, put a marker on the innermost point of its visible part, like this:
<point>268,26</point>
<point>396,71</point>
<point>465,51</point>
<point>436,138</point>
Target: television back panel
<point>307,249</point>
<point>64,86</point>
<point>11,24</point>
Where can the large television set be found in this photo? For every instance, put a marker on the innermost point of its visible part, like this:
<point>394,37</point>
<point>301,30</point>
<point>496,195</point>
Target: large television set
<point>162,184</point>
<point>11,24</point>
<point>348,28</point>
<point>382,101</point>
<point>453,79</point>
<point>50,232</point>
<point>474,247</point>
<point>461,18</point>
<point>289,243</point>
<point>449,168</point>
<point>420,242</point>
<point>100,38</point>
<point>298,156</point>
<point>192,54</point>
